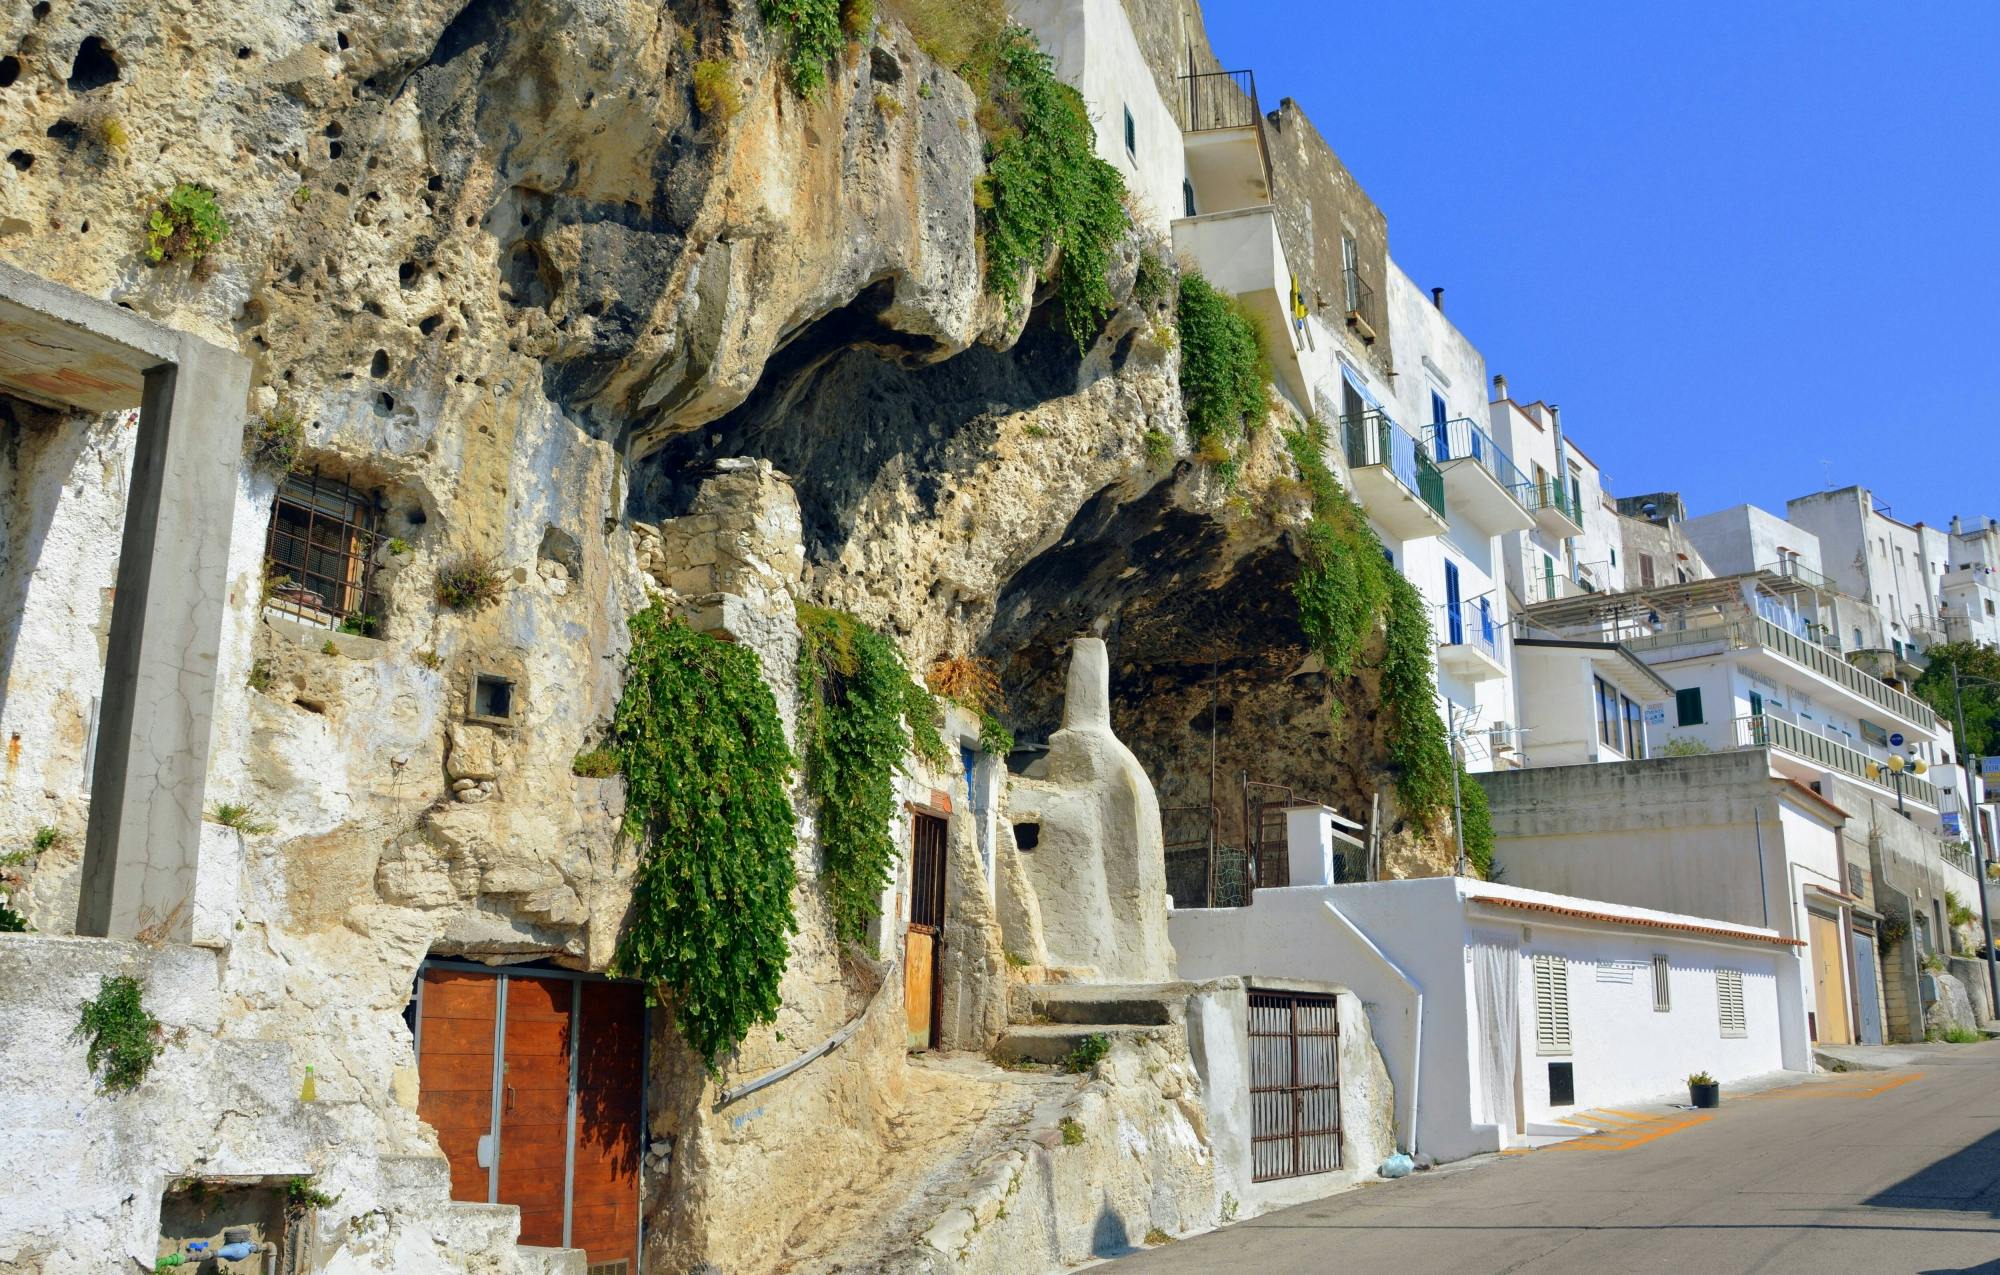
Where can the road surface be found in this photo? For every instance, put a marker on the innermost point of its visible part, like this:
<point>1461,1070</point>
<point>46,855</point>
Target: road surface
<point>1876,1172</point>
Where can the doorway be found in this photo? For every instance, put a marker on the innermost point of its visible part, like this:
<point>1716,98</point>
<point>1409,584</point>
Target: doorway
<point>924,937</point>
<point>1829,982</point>
<point>535,1083</point>
<point>1870,1017</point>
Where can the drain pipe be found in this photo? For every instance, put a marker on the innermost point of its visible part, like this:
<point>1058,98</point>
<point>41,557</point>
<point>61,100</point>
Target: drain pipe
<point>1417,1023</point>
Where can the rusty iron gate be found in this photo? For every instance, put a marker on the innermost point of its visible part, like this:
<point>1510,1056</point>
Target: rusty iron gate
<point>925,934</point>
<point>1264,824</point>
<point>1294,1084</point>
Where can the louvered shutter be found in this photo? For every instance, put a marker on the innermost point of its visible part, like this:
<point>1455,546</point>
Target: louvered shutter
<point>1729,1004</point>
<point>1551,1004</point>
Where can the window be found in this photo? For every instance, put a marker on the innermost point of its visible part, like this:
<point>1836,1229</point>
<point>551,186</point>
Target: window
<point>1646,570</point>
<point>1614,557</point>
<point>1989,606</point>
<point>1131,135</point>
<point>1635,732</point>
<point>492,698</point>
<point>1607,713</point>
<point>1663,1000</point>
<point>1551,1003</point>
<point>1687,706</point>
<point>1729,1004</point>
<point>1857,639</point>
<point>317,553</point>
<point>1187,197</point>
<point>1350,267</point>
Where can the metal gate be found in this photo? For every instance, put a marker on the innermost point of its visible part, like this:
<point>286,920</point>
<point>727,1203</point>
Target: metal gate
<point>1294,1085</point>
<point>925,934</point>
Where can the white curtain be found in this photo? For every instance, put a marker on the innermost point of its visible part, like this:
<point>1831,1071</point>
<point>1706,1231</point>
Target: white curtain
<point>1495,974</point>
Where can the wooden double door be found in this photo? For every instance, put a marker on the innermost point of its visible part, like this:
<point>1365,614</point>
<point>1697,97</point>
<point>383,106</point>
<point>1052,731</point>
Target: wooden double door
<point>535,1084</point>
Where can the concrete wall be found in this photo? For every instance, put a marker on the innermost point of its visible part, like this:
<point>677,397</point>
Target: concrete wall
<point>1745,538</point>
<point>1218,1021</point>
<point>1096,50</point>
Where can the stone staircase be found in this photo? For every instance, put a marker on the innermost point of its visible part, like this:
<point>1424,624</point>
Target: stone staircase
<point>1048,1021</point>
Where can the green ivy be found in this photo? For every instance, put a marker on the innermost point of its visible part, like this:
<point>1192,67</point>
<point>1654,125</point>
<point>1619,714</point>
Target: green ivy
<point>706,768</point>
<point>121,1038</point>
<point>994,737</point>
<point>1044,186</point>
<point>1224,365</point>
<point>1345,588</point>
<point>859,712</point>
<point>11,922</point>
<point>812,38</point>
<point>1478,830</point>
<point>185,225</point>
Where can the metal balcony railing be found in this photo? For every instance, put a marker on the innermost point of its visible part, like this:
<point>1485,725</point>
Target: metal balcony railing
<point>1739,628</point>
<point>1763,730</point>
<point>1469,624</point>
<point>1803,574</point>
<point>1959,855</point>
<point>1549,494</point>
<point>1358,305</point>
<point>1373,439</point>
<point>1215,100</point>
<point>1453,440</point>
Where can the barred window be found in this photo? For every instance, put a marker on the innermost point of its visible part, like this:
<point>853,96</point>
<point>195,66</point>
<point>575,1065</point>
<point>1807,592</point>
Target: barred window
<point>318,554</point>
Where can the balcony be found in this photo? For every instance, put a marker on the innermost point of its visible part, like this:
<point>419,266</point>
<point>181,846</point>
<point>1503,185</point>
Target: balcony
<point>1822,754</point>
<point>1469,642</point>
<point>1358,305</point>
<point>1481,479</point>
<point>1215,101</point>
<point>1805,575</point>
<point>1393,476</point>
<point>1241,255</point>
<point>1222,142</point>
<point>1556,511</point>
<point>1741,629</point>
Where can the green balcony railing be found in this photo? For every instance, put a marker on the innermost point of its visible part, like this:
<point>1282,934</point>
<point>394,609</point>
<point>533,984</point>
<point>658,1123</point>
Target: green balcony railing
<point>1763,730</point>
<point>1372,438</point>
<point>1549,494</point>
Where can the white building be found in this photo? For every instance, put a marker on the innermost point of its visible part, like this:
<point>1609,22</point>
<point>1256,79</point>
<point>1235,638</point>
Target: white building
<point>1585,700</point>
<point>1969,589</point>
<point>1500,1010</point>
<point>1728,836</point>
<point>1895,566</point>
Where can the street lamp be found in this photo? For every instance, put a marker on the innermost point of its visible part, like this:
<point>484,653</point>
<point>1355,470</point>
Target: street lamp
<point>1897,765</point>
<point>1972,796</point>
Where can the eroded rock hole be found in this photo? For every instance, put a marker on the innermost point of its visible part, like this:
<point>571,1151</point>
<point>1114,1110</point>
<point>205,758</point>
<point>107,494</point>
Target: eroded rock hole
<point>94,66</point>
<point>10,70</point>
<point>379,365</point>
<point>21,160</point>
<point>428,325</point>
<point>406,274</point>
<point>531,280</point>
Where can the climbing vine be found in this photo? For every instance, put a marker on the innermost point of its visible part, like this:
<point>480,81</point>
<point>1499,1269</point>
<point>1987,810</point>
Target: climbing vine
<point>1478,829</point>
<point>1347,587</point>
<point>1045,188</point>
<point>1224,367</point>
<point>859,711</point>
<point>706,767</point>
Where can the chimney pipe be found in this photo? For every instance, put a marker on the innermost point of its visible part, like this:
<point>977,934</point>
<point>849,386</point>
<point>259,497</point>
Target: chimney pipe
<point>1499,386</point>
<point>1957,525</point>
<point>1437,298</point>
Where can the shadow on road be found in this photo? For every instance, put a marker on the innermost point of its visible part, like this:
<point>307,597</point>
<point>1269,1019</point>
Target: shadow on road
<point>1966,1181</point>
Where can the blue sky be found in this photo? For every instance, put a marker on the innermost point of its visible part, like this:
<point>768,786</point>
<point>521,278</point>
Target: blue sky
<point>1750,248</point>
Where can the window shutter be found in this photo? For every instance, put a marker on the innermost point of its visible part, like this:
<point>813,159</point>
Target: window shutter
<point>1729,1004</point>
<point>1551,1004</point>
<point>1663,1000</point>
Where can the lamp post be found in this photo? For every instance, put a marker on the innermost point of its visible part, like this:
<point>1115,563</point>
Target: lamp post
<point>1972,795</point>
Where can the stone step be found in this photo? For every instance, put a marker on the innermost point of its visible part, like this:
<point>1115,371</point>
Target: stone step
<point>1052,1043</point>
<point>529,1260</point>
<point>1105,1004</point>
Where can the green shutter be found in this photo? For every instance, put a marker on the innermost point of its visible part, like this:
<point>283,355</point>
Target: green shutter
<point>1687,706</point>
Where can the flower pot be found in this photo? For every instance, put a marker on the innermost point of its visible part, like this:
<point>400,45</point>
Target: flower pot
<point>1709,1095</point>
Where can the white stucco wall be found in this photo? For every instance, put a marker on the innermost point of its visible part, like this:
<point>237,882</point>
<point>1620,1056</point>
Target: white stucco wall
<point>1622,1049</point>
<point>1558,706</point>
<point>1095,50</point>
<point>1745,538</point>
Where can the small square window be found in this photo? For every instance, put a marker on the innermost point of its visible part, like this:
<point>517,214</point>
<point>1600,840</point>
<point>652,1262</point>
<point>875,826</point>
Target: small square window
<point>492,698</point>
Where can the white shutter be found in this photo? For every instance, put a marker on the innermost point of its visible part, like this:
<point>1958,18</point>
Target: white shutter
<point>1729,1004</point>
<point>1551,1004</point>
<point>1663,1000</point>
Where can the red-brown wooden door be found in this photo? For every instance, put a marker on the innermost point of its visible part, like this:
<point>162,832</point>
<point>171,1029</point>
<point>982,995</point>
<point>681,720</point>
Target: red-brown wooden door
<point>551,1031</point>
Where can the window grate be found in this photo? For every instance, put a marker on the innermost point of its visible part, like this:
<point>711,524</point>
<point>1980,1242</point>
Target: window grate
<point>1294,1084</point>
<point>318,553</point>
<point>1551,1004</point>
<point>622,1266</point>
<point>1663,1000</point>
<point>1729,1004</point>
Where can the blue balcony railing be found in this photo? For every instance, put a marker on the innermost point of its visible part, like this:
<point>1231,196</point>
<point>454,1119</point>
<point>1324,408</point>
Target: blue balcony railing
<point>1372,438</point>
<point>1470,624</point>
<point>1462,438</point>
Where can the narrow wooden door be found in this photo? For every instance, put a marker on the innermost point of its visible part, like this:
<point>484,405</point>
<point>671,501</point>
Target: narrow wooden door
<point>925,933</point>
<point>1829,987</point>
<point>604,1210</point>
<point>455,1067</point>
<point>534,1105</point>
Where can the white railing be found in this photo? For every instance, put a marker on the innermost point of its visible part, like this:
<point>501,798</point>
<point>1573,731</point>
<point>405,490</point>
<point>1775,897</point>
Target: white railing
<point>1763,730</point>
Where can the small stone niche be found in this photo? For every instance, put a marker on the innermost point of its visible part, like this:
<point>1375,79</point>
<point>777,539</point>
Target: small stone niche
<point>201,1218</point>
<point>492,699</point>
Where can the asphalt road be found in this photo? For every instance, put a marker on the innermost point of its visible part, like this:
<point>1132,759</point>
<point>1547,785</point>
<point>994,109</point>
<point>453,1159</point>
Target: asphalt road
<point>1877,1172</point>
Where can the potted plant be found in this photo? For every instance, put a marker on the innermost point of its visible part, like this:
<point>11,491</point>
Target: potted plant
<point>1703,1091</point>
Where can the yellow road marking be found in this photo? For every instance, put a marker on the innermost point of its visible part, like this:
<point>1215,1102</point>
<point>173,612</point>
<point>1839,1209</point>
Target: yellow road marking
<point>1857,1087</point>
<point>1633,1115</point>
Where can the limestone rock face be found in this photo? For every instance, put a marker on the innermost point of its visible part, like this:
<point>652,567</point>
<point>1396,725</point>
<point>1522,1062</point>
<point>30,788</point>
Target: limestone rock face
<point>1097,870</point>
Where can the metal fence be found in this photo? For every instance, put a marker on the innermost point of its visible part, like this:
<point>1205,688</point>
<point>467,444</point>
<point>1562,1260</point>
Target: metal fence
<point>1372,438</point>
<point>1216,99</point>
